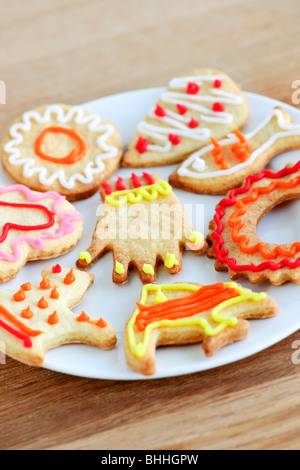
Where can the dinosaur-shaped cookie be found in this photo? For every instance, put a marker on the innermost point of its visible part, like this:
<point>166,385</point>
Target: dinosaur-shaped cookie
<point>178,314</point>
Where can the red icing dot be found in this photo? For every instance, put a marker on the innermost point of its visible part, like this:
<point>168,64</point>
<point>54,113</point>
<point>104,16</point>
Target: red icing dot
<point>193,123</point>
<point>192,88</point>
<point>107,189</point>
<point>160,112</point>
<point>218,107</point>
<point>174,139</point>
<point>218,84</point>
<point>56,269</point>
<point>120,185</point>
<point>135,180</point>
<point>142,145</point>
<point>149,178</point>
<point>182,109</point>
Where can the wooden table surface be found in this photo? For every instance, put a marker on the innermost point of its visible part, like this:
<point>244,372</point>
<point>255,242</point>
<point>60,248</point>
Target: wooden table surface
<point>77,50</point>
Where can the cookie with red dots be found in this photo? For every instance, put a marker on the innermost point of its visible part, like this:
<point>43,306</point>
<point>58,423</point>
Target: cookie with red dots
<point>37,318</point>
<point>203,105</point>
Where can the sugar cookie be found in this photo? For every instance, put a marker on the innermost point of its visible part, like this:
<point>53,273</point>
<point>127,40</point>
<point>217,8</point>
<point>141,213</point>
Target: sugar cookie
<point>224,165</point>
<point>34,226</point>
<point>234,238</point>
<point>178,314</point>
<point>143,224</point>
<point>193,109</point>
<point>38,318</point>
<point>62,148</point>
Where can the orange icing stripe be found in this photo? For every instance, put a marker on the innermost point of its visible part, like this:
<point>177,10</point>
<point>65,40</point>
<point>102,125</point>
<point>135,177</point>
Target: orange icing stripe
<point>205,298</point>
<point>237,224</point>
<point>74,156</point>
<point>25,329</point>
<point>218,155</point>
<point>241,149</point>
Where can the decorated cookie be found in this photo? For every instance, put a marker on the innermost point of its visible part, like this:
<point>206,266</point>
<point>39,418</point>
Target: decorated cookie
<point>192,110</point>
<point>234,238</point>
<point>224,165</point>
<point>178,314</point>
<point>143,224</point>
<point>34,226</point>
<point>62,148</point>
<point>37,318</point>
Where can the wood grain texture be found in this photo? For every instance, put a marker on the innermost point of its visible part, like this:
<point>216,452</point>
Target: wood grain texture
<point>77,50</point>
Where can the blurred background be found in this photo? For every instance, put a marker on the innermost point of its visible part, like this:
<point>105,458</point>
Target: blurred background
<point>78,50</point>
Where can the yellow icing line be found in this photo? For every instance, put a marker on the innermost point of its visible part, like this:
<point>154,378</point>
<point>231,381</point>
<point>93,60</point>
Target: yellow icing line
<point>134,196</point>
<point>139,349</point>
<point>119,268</point>
<point>85,256</point>
<point>196,238</point>
<point>171,261</point>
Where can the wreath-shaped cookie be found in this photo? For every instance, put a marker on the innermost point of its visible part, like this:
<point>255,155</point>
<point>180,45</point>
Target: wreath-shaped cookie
<point>235,242</point>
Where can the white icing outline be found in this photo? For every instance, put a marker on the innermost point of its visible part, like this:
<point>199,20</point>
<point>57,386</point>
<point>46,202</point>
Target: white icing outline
<point>179,122</point>
<point>289,130</point>
<point>76,112</point>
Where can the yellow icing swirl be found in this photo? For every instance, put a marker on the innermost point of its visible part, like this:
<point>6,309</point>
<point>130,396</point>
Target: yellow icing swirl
<point>137,195</point>
<point>139,349</point>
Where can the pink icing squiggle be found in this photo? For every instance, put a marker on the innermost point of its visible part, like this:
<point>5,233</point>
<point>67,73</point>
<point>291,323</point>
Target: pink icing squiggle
<point>222,253</point>
<point>66,226</point>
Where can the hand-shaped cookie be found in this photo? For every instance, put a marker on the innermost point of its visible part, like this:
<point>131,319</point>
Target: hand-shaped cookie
<point>37,318</point>
<point>143,224</point>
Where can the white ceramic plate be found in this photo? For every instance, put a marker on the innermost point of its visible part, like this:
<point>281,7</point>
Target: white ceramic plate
<point>116,304</point>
